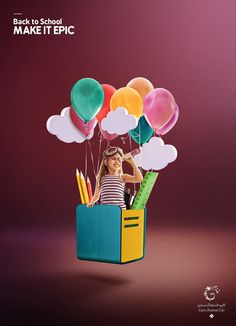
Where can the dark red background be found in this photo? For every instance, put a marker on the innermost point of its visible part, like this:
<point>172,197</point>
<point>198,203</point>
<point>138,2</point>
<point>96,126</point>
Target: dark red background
<point>185,46</point>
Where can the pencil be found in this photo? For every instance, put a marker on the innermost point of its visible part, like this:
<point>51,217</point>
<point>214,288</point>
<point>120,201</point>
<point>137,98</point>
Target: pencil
<point>84,188</point>
<point>132,198</point>
<point>79,186</point>
<point>89,187</point>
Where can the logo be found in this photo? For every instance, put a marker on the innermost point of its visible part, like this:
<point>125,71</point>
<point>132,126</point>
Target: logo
<point>209,308</point>
<point>210,292</point>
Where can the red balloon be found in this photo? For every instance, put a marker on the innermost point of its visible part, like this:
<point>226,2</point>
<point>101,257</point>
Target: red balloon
<point>108,92</point>
<point>80,124</point>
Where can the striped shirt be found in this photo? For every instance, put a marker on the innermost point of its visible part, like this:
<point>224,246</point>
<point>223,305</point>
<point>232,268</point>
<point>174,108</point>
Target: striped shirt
<point>112,191</point>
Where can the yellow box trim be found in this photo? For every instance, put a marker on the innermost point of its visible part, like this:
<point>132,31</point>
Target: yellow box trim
<point>132,233</point>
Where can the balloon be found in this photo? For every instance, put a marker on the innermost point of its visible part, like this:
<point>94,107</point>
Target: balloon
<point>142,133</point>
<point>158,106</point>
<point>142,85</point>
<point>129,99</point>
<point>87,98</point>
<point>108,92</point>
<point>84,127</point>
<point>106,134</point>
<point>170,124</point>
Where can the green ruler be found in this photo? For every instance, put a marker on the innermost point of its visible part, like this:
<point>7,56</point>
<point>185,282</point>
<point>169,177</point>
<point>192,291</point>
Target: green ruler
<point>145,190</point>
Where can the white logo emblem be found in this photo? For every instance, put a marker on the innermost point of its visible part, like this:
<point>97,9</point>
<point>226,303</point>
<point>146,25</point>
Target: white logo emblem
<point>210,292</point>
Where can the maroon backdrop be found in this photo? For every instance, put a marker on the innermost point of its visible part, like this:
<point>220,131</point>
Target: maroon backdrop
<point>185,46</point>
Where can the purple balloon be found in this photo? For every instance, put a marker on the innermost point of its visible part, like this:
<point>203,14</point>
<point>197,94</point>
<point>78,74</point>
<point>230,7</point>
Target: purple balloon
<point>84,127</point>
<point>170,124</point>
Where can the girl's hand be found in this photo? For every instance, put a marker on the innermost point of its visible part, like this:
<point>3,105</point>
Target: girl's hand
<point>95,197</point>
<point>91,204</point>
<point>128,157</point>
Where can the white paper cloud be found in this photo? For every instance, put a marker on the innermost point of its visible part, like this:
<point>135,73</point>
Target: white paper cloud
<point>119,121</point>
<point>155,155</point>
<point>62,127</point>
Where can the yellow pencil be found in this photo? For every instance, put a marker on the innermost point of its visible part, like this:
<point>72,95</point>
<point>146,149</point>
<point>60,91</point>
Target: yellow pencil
<point>84,188</point>
<point>80,188</point>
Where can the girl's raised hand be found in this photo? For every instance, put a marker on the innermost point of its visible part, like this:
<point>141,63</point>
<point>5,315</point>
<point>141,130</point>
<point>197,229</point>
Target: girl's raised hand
<point>128,157</point>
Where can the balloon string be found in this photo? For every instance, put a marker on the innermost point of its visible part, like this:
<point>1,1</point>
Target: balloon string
<point>139,143</point>
<point>135,133</point>
<point>124,138</point>
<point>130,146</point>
<point>86,159</point>
<point>99,151</point>
<point>91,154</point>
<point>158,135</point>
<point>138,135</point>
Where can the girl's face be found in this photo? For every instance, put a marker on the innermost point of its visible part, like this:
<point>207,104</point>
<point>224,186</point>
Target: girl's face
<point>114,163</point>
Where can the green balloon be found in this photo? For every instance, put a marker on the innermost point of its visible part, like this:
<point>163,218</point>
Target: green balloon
<point>87,97</point>
<point>142,133</point>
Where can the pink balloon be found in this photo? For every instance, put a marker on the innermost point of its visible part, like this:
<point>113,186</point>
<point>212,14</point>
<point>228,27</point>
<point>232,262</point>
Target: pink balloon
<point>106,134</point>
<point>158,107</point>
<point>170,124</point>
<point>84,127</point>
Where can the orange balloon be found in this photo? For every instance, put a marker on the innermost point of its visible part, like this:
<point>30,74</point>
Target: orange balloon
<point>142,85</point>
<point>129,99</point>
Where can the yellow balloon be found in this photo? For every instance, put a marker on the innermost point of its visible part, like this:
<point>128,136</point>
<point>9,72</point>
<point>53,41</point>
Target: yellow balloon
<point>142,85</point>
<point>129,99</point>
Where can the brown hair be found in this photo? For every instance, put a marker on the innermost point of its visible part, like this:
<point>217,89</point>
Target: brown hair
<point>103,170</point>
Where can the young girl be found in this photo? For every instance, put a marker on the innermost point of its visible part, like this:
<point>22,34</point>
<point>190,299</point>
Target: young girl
<point>111,180</point>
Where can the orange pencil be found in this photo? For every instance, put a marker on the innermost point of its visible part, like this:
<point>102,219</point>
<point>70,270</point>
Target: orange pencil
<point>89,187</point>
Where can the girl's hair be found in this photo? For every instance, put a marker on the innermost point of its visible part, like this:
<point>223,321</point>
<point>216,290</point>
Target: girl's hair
<point>103,170</point>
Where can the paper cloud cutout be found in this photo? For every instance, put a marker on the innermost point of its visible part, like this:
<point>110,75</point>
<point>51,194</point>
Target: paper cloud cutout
<point>155,155</point>
<point>62,127</point>
<point>119,121</point>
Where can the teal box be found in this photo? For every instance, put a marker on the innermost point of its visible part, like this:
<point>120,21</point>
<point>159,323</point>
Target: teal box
<point>99,232</point>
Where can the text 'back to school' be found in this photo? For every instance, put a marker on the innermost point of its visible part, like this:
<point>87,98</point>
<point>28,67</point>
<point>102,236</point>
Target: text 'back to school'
<point>41,26</point>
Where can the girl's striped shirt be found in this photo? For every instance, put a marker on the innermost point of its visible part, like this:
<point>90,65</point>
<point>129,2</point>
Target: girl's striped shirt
<point>112,191</point>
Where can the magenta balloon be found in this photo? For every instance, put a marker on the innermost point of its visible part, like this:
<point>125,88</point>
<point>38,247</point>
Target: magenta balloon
<point>158,107</point>
<point>170,124</point>
<point>84,127</point>
<point>106,134</point>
